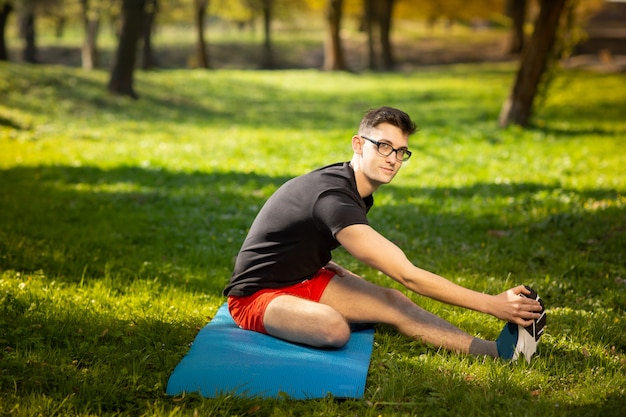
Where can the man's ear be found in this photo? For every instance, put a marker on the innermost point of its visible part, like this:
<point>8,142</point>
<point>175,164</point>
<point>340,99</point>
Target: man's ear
<point>357,144</point>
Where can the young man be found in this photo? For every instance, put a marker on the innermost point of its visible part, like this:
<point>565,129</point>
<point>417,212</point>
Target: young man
<point>284,283</point>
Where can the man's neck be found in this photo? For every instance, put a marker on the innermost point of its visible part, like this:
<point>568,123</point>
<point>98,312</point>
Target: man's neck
<point>364,186</point>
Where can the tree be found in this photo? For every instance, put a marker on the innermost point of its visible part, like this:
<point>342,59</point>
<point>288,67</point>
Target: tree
<point>243,13</point>
<point>516,9</point>
<point>56,11</point>
<point>517,109</point>
<point>202,56</point>
<point>268,56</point>
<point>148,60</point>
<point>121,82</point>
<point>27,30</point>
<point>368,26</point>
<point>5,10</point>
<point>333,51</point>
<point>377,19</point>
<point>385,14</point>
<point>28,12</point>
<point>91,24</point>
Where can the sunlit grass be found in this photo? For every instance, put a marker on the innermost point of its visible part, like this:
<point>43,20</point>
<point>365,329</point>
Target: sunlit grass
<point>120,219</point>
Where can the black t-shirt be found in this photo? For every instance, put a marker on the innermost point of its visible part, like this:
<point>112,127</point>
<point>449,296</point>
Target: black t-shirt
<point>294,233</point>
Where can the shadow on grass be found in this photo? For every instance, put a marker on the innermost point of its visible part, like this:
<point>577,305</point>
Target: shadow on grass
<point>84,360</point>
<point>233,98</point>
<point>421,378</point>
<point>127,223</point>
<point>592,113</point>
<point>567,242</point>
<point>186,228</point>
<point>569,133</point>
<point>6,122</point>
<point>84,94</point>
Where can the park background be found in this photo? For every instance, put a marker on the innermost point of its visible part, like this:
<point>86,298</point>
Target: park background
<point>120,217</point>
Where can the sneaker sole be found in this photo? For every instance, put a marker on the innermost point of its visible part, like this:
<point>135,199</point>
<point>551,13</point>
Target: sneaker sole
<point>536,329</point>
<point>528,340</point>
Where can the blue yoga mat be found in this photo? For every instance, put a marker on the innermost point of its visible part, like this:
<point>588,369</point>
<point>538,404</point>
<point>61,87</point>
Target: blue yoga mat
<point>225,359</point>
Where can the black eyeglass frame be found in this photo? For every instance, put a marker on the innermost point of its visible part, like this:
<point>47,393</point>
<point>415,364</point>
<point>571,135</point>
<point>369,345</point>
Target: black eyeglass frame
<point>407,153</point>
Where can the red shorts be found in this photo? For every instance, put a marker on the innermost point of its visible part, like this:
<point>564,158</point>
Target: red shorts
<point>248,311</point>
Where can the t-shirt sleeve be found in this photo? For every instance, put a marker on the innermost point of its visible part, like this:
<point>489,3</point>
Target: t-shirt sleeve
<point>335,210</point>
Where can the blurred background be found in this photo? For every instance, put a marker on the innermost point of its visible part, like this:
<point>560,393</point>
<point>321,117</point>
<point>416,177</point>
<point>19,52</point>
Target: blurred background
<point>353,35</point>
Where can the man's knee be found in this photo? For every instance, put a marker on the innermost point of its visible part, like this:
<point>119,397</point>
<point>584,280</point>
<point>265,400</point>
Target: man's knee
<point>396,297</point>
<point>336,331</point>
<point>310,323</point>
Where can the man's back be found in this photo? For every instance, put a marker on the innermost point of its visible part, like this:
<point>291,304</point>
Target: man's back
<point>293,234</point>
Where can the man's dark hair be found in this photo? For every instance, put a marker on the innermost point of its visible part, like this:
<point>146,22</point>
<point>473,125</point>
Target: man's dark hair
<point>394,117</point>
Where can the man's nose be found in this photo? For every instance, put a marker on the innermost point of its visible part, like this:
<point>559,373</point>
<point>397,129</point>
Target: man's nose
<point>392,157</point>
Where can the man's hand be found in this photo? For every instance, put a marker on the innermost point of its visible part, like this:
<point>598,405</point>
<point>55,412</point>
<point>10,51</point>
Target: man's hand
<point>337,269</point>
<point>509,306</point>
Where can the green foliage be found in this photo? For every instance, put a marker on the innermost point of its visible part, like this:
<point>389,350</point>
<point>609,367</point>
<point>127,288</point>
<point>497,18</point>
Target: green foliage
<point>120,219</point>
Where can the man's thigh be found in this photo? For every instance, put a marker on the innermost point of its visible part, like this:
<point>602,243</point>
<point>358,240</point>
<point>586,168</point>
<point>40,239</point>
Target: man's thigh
<point>249,311</point>
<point>361,301</point>
<point>304,321</point>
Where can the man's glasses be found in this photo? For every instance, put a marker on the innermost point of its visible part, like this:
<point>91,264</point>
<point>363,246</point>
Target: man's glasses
<point>385,149</point>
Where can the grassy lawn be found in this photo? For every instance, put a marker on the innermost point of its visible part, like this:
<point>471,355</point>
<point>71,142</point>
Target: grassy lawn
<point>119,222</point>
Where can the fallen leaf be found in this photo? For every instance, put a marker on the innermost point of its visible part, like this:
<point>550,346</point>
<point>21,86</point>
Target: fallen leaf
<point>497,233</point>
<point>254,409</point>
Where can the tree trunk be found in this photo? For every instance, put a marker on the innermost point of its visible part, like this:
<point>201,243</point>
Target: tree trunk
<point>516,9</point>
<point>368,21</point>
<point>268,58</point>
<point>385,17</point>
<point>148,60</point>
<point>27,23</point>
<point>59,26</point>
<point>121,81</point>
<point>89,50</point>
<point>5,11</point>
<point>333,51</point>
<point>202,56</point>
<point>518,107</point>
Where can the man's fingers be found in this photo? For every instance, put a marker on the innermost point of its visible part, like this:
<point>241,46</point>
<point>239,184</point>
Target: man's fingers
<point>533,307</point>
<point>339,270</point>
<point>526,323</point>
<point>521,289</point>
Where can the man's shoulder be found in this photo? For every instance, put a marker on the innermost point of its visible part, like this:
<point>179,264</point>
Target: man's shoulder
<point>336,167</point>
<point>314,183</point>
<point>336,180</point>
<point>337,170</point>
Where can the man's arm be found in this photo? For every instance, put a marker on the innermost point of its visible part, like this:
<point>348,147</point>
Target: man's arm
<point>370,247</point>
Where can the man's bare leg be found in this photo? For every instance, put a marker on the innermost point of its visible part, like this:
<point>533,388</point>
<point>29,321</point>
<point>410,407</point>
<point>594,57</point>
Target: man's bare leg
<point>350,299</point>
<point>359,300</point>
<point>303,321</point>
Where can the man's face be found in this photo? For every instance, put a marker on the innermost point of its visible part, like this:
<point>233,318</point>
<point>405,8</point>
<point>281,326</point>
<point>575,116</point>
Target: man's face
<point>380,169</point>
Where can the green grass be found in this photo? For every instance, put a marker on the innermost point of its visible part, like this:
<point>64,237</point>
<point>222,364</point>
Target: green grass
<point>119,222</point>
